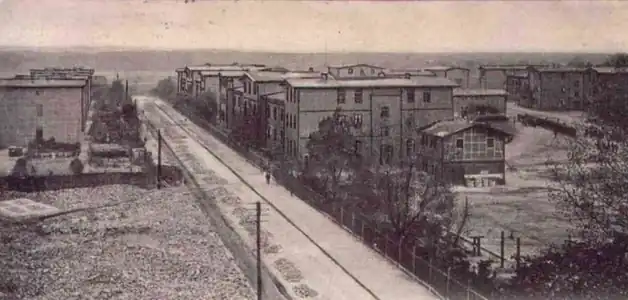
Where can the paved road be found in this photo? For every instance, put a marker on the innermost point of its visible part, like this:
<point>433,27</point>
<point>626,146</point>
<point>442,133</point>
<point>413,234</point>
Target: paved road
<point>317,246</point>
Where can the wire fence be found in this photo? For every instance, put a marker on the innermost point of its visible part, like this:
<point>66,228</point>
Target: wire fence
<point>410,259</point>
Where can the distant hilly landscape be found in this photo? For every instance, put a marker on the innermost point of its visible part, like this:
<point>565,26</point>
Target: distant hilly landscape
<point>20,60</point>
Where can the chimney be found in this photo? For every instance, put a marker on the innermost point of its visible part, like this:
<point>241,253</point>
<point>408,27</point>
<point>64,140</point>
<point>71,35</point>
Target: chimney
<point>310,69</point>
<point>324,76</point>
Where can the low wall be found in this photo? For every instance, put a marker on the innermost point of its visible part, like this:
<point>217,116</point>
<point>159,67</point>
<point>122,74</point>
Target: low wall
<point>57,182</point>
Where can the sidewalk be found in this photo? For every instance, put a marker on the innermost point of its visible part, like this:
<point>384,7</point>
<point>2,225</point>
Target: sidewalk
<point>379,276</point>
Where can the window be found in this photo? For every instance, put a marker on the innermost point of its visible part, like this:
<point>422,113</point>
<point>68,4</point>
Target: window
<point>357,147</point>
<point>282,115</point>
<point>427,97</point>
<point>341,96</point>
<point>576,83</point>
<point>385,131</point>
<point>40,110</point>
<point>39,134</point>
<point>460,143</point>
<point>410,147</point>
<point>37,93</point>
<point>362,73</point>
<point>410,93</point>
<point>385,112</point>
<point>267,111</point>
<point>357,96</point>
<point>490,142</point>
<point>458,81</point>
<point>274,113</point>
<point>274,134</point>
<point>289,94</point>
<point>357,120</point>
<point>423,139</point>
<point>576,94</point>
<point>255,89</point>
<point>350,70</point>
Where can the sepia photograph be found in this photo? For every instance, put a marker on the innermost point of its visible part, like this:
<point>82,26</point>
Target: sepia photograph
<point>324,150</point>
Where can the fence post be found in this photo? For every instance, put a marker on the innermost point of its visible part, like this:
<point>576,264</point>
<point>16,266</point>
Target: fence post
<point>399,252</point>
<point>429,266</point>
<point>502,245</point>
<point>414,259</point>
<point>342,222</point>
<point>352,221</point>
<point>448,279</point>
<point>518,254</point>
<point>469,289</point>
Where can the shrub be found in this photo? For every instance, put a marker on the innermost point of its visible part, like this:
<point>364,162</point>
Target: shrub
<point>76,166</point>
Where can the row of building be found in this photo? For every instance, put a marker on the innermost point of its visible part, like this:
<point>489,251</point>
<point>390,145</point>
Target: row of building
<point>556,88</point>
<point>46,103</point>
<point>396,113</point>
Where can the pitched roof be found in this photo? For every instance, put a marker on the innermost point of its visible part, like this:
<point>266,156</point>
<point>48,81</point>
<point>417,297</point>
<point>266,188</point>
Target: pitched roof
<point>355,65</point>
<point>444,68</point>
<point>508,67</point>
<point>268,76</point>
<point>420,81</point>
<point>41,83</point>
<point>411,72</point>
<point>611,70</point>
<point>479,92</point>
<point>223,73</point>
<point>449,127</point>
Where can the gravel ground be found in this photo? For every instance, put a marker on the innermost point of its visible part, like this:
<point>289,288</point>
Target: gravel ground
<point>158,247</point>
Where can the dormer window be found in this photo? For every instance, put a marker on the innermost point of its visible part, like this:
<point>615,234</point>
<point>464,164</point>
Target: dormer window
<point>350,70</point>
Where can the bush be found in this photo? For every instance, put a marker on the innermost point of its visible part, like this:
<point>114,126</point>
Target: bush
<point>76,166</point>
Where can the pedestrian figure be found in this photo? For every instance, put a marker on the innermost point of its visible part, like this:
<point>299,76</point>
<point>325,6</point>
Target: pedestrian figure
<point>267,177</point>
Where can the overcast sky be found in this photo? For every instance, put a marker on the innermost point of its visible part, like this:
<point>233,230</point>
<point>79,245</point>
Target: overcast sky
<point>294,26</point>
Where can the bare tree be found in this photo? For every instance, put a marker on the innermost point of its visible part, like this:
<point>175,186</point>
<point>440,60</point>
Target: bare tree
<point>410,201</point>
<point>331,158</point>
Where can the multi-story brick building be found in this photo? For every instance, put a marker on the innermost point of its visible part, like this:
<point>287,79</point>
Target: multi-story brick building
<point>77,73</point>
<point>517,87</point>
<point>466,100</point>
<point>464,152</point>
<point>495,76</point>
<point>459,75</point>
<point>41,109</point>
<point>385,111</point>
<point>560,88</point>
<point>611,84</point>
<point>263,97</point>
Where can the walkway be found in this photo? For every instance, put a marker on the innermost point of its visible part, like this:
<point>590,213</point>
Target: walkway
<point>373,277</point>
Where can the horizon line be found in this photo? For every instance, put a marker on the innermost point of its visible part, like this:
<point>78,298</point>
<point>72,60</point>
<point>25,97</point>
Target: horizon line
<point>78,48</point>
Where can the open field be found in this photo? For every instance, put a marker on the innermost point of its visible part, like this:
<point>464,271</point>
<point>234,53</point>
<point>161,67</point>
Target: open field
<point>522,205</point>
<point>157,245</point>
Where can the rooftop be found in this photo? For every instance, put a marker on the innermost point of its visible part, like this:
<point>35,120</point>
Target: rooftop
<point>411,72</point>
<point>611,70</point>
<point>444,68</point>
<point>480,92</point>
<point>508,67</point>
<point>449,127</point>
<point>355,65</point>
<point>225,67</point>
<point>561,69</point>
<point>370,83</point>
<point>269,76</point>
<point>41,83</point>
<point>223,73</point>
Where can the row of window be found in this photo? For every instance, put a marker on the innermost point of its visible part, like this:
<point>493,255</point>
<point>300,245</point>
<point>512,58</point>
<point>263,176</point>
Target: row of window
<point>251,88</point>
<point>293,95</point>
<point>358,96</point>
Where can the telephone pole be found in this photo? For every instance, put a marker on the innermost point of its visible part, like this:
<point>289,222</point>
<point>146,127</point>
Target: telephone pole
<point>258,217</point>
<point>159,159</point>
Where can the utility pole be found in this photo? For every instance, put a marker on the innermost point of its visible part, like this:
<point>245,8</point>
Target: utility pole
<point>258,215</point>
<point>126,92</point>
<point>158,159</point>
